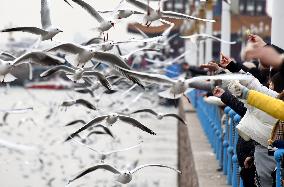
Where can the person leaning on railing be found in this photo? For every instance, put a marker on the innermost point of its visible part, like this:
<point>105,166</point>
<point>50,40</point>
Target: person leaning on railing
<point>245,149</point>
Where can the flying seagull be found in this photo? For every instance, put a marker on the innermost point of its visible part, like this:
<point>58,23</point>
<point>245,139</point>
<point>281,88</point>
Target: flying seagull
<point>105,25</point>
<point>153,15</point>
<point>76,74</point>
<point>79,101</point>
<point>123,177</point>
<point>103,155</point>
<point>204,36</point>
<point>119,13</point>
<point>160,115</point>
<point>111,119</point>
<point>37,57</point>
<point>47,32</point>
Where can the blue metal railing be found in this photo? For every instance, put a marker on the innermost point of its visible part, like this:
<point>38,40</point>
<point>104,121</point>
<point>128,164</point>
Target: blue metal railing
<point>224,139</point>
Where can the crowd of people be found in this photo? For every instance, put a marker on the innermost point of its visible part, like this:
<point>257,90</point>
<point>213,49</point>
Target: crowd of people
<point>259,100</point>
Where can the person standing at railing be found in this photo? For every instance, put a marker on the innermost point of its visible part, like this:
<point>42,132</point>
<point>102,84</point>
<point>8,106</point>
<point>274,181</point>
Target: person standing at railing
<point>266,103</point>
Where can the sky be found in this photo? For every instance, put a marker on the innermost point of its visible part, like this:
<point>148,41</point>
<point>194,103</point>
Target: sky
<point>73,21</point>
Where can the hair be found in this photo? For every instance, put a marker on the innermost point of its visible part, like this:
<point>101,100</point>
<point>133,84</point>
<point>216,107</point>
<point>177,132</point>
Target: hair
<point>278,82</point>
<point>281,96</point>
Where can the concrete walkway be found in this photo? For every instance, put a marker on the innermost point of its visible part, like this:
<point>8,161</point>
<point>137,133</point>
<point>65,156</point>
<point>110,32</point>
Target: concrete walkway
<point>205,161</point>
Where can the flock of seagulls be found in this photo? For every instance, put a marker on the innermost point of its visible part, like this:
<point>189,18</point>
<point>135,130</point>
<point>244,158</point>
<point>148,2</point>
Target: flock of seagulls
<point>97,70</point>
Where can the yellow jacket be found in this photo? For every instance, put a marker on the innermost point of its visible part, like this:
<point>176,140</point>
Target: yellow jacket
<point>270,105</point>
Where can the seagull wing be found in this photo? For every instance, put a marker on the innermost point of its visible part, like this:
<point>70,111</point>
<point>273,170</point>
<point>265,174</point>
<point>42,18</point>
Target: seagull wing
<point>116,62</point>
<point>177,15</point>
<point>86,104</point>
<point>100,76</point>
<point>7,56</point>
<point>84,91</point>
<point>141,32</point>
<point>106,129</point>
<point>93,41</point>
<point>150,77</point>
<point>89,124</point>
<point>33,30</point>
<point>91,169</point>
<point>75,121</point>
<point>56,69</point>
<point>90,10</point>
<point>220,40</point>
<point>176,116</point>
<point>153,165</point>
<point>17,110</point>
<point>135,123</point>
<point>45,14</point>
<point>208,36</point>
<point>145,110</point>
<point>110,59</point>
<point>68,48</point>
<point>140,5</point>
<point>39,57</point>
<point>167,32</point>
<point>125,149</point>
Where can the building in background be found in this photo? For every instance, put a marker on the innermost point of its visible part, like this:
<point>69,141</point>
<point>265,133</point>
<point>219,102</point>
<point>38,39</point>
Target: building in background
<point>246,14</point>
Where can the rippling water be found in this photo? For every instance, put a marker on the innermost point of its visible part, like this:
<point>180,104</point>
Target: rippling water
<point>52,162</point>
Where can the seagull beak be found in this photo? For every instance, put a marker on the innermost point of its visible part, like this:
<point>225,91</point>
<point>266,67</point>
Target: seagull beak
<point>112,24</point>
<point>60,31</point>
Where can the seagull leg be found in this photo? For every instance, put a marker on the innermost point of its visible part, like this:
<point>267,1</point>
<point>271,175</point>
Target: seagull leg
<point>146,23</point>
<point>3,79</point>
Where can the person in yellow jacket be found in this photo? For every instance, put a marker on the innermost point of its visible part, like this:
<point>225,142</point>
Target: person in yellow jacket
<point>270,105</point>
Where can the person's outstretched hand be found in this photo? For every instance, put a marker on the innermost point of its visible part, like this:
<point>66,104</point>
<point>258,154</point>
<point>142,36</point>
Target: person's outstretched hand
<point>256,40</point>
<point>211,66</point>
<point>224,60</point>
<point>218,92</point>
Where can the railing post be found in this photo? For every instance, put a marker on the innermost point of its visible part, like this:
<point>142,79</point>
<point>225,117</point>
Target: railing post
<point>230,148</point>
<point>235,179</point>
<point>278,157</point>
<point>225,142</point>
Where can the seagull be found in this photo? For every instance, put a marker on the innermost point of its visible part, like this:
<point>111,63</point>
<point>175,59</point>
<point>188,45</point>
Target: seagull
<point>38,57</point>
<point>204,36</point>
<point>160,115</point>
<point>122,177</point>
<point>153,15</point>
<point>47,32</point>
<point>111,119</point>
<point>76,74</point>
<point>105,25</point>
<point>83,54</point>
<point>79,101</point>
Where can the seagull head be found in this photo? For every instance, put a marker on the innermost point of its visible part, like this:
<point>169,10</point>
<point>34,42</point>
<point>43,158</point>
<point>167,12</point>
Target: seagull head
<point>5,67</point>
<point>125,177</point>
